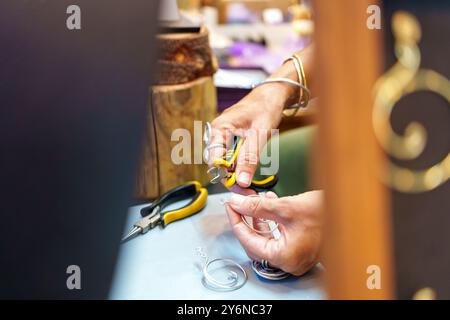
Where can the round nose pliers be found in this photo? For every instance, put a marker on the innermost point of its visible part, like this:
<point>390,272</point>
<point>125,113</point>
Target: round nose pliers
<point>154,214</point>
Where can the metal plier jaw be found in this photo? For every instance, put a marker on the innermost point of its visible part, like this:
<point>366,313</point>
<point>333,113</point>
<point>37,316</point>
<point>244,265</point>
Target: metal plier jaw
<point>155,214</point>
<point>223,169</point>
<point>150,221</point>
<point>218,174</point>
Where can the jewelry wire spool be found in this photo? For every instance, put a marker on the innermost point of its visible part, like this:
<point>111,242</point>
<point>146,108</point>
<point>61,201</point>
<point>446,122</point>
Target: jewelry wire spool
<point>264,270</point>
<point>233,281</point>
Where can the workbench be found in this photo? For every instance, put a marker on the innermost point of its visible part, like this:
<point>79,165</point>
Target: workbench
<point>162,263</point>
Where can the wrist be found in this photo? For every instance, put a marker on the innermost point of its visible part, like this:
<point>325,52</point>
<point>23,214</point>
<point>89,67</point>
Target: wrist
<point>273,97</point>
<point>278,94</point>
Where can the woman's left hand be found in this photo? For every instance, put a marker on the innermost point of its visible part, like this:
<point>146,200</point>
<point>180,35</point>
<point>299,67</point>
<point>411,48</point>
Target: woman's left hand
<point>299,222</point>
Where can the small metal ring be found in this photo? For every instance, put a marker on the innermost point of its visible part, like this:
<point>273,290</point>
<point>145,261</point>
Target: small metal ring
<point>268,273</point>
<point>207,133</point>
<point>206,155</point>
<point>215,145</point>
<point>231,285</point>
<point>264,264</point>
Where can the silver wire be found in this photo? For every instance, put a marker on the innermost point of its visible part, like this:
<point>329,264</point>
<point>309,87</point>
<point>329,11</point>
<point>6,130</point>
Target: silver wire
<point>265,271</point>
<point>212,283</point>
<point>224,201</point>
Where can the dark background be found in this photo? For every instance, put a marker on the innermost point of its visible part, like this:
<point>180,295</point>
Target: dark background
<point>73,105</point>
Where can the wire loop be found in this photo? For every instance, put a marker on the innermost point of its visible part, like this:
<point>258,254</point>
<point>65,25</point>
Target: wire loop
<point>212,283</point>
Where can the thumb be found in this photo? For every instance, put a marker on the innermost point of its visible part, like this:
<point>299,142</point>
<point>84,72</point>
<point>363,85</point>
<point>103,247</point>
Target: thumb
<point>248,158</point>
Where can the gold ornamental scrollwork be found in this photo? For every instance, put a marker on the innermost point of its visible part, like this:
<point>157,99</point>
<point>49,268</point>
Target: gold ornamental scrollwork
<point>403,78</point>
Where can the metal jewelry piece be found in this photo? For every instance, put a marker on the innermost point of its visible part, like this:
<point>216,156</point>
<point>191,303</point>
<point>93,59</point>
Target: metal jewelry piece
<point>207,134</point>
<point>234,281</point>
<point>265,264</point>
<point>218,174</point>
<point>290,81</point>
<point>215,145</point>
<point>206,140</point>
<point>264,270</point>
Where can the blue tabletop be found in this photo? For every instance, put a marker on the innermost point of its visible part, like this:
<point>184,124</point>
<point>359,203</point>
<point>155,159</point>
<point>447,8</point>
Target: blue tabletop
<point>162,263</point>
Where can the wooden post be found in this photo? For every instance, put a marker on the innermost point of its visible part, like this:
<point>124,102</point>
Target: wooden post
<point>175,107</point>
<point>184,93</point>
<point>357,207</point>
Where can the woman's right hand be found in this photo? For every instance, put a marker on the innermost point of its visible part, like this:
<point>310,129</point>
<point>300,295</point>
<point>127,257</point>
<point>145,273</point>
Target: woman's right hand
<point>252,118</point>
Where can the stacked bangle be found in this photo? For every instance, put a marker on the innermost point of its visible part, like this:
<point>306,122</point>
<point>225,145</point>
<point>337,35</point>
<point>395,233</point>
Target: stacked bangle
<point>304,93</point>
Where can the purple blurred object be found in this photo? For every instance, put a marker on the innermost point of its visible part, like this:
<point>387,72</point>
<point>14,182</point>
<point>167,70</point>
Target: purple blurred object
<point>240,13</point>
<point>233,84</point>
<point>252,63</point>
<point>255,55</point>
<point>228,96</point>
<point>247,49</point>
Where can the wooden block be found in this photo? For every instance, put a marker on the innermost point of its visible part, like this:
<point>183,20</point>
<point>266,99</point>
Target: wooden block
<point>184,57</point>
<point>174,107</point>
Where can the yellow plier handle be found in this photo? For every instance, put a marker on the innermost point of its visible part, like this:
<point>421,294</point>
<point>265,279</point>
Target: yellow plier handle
<point>257,185</point>
<point>190,190</point>
<point>230,156</point>
<point>228,162</point>
<point>196,204</point>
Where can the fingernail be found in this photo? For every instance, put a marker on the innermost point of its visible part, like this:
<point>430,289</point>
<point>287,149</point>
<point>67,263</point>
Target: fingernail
<point>244,179</point>
<point>236,200</point>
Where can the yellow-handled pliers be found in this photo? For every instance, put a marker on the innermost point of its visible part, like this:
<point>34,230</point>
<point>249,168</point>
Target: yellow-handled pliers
<point>154,215</point>
<point>223,168</point>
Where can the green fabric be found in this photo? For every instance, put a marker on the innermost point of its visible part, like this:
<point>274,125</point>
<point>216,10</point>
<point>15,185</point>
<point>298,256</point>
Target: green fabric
<point>294,149</point>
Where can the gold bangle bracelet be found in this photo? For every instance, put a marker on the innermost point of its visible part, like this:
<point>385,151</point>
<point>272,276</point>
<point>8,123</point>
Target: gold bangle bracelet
<point>296,56</point>
<point>303,103</point>
<point>299,78</point>
<point>297,68</point>
<point>299,73</point>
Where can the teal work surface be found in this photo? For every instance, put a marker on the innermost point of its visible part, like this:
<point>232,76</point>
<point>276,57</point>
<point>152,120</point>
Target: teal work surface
<point>162,263</point>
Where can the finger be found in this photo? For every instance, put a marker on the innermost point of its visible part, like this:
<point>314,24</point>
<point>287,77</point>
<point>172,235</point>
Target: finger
<point>239,190</point>
<point>258,207</point>
<point>271,195</point>
<point>247,159</point>
<point>221,137</point>
<point>256,246</point>
<point>264,225</point>
<point>217,138</point>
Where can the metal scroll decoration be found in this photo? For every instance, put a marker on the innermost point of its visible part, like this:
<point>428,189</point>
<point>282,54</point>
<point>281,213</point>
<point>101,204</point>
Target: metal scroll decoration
<point>403,78</point>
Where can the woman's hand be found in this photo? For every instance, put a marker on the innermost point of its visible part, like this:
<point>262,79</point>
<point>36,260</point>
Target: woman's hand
<point>299,222</point>
<point>253,118</point>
